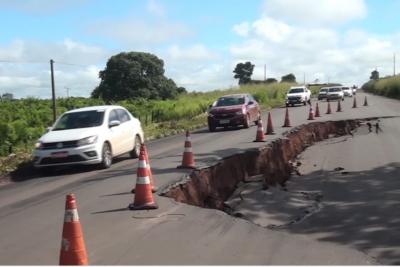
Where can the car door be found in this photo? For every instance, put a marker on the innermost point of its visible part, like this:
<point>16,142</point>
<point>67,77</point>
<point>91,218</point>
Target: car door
<point>116,133</point>
<point>253,108</point>
<point>128,135</point>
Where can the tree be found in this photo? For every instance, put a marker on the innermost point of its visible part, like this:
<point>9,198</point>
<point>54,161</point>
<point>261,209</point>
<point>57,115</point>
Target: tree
<point>243,72</point>
<point>374,75</point>
<point>271,80</point>
<point>134,75</point>
<point>289,78</point>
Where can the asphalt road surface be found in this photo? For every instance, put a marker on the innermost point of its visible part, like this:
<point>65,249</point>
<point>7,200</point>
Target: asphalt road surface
<point>32,211</point>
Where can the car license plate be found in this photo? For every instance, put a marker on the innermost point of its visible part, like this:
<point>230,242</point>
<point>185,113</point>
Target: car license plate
<point>224,121</point>
<point>59,155</point>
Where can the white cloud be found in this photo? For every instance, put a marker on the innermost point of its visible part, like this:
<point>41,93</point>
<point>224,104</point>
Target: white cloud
<point>242,29</point>
<point>271,29</point>
<point>193,53</point>
<point>330,12</point>
<point>27,72</point>
<point>137,32</point>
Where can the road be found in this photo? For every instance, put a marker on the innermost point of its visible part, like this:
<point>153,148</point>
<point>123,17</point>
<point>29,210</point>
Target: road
<point>31,212</point>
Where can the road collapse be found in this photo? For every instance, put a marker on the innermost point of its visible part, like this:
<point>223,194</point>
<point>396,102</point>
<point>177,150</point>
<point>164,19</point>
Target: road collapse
<point>210,187</point>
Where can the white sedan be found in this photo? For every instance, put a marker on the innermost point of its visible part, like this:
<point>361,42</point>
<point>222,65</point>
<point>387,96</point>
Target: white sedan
<point>91,135</point>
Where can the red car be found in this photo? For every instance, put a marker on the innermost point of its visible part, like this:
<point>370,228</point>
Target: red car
<point>233,110</point>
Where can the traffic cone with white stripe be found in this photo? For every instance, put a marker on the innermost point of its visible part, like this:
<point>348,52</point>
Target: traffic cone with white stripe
<point>311,114</point>
<point>287,121</point>
<point>146,155</point>
<point>73,250</point>
<point>339,106</point>
<point>143,199</point>
<point>270,128</point>
<point>317,110</point>
<point>260,132</point>
<point>187,159</point>
<point>354,102</point>
<point>329,111</point>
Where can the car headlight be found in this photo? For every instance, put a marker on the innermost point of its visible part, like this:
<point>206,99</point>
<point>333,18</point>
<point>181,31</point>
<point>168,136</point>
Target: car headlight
<point>38,145</point>
<point>87,141</point>
<point>239,112</point>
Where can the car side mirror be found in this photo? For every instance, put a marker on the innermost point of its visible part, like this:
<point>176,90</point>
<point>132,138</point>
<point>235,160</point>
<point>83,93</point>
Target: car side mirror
<point>48,129</point>
<point>114,123</point>
<point>251,103</point>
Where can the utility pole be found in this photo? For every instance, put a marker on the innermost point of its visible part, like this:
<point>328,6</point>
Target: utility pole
<point>394,64</point>
<point>265,72</point>
<point>53,91</point>
<point>67,88</point>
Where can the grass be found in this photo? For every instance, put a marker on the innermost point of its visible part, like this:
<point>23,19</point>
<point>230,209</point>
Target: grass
<point>389,86</point>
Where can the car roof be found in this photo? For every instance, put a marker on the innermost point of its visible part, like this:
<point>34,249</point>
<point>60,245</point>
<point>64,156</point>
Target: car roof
<point>235,95</point>
<point>95,108</point>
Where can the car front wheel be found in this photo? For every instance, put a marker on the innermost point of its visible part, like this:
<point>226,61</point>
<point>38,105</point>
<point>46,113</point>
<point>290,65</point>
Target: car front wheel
<point>135,152</point>
<point>247,121</point>
<point>106,156</point>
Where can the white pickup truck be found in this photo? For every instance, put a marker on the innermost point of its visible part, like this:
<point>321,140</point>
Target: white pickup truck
<point>298,95</point>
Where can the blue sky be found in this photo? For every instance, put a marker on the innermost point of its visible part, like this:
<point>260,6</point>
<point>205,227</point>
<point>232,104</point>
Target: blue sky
<point>199,41</point>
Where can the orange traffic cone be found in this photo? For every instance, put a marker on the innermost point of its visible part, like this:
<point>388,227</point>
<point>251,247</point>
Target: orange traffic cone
<point>188,159</point>
<point>146,155</point>
<point>143,199</point>
<point>260,132</point>
<point>329,111</point>
<point>354,102</point>
<point>339,107</point>
<point>287,121</point>
<point>365,101</point>
<point>317,110</point>
<point>73,250</point>
<point>270,128</point>
<point>311,114</point>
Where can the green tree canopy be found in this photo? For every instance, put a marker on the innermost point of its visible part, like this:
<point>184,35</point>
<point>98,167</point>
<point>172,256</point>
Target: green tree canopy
<point>243,72</point>
<point>289,78</point>
<point>374,75</point>
<point>135,75</point>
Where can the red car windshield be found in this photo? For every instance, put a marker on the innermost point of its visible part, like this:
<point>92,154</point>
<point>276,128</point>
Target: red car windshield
<point>230,101</point>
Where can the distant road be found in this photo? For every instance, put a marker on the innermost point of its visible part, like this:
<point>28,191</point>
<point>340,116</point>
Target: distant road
<point>31,212</point>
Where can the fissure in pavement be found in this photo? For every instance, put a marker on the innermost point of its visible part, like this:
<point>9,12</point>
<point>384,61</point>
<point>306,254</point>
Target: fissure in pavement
<point>210,187</point>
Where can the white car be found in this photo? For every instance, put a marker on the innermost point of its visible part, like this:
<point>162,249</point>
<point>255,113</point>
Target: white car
<point>298,95</point>
<point>91,135</point>
<point>335,93</point>
<point>347,91</point>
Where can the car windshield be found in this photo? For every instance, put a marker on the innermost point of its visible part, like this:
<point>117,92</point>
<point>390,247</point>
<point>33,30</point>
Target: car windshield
<point>323,90</point>
<point>346,88</point>
<point>335,89</point>
<point>296,90</point>
<point>230,101</point>
<point>83,119</point>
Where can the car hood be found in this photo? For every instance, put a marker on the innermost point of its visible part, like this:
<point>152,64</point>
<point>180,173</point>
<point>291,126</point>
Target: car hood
<point>297,94</point>
<point>322,93</point>
<point>226,109</point>
<point>69,135</point>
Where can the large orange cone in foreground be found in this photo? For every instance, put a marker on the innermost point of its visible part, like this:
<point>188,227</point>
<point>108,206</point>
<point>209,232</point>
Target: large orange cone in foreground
<point>365,101</point>
<point>146,156</point>
<point>260,132</point>
<point>287,121</point>
<point>339,107</point>
<point>143,199</point>
<point>270,128</point>
<point>317,110</point>
<point>354,102</point>
<point>73,250</point>
<point>329,111</point>
<point>311,114</point>
<point>188,159</point>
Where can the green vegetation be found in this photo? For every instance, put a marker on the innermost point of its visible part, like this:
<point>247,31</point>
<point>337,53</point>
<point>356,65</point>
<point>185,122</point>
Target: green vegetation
<point>243,72</point>
<point>25,120</point>
<point>389,86</point>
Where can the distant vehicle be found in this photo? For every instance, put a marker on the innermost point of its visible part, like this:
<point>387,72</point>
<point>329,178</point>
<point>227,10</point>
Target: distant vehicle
<point>335,93</point>
<point>347,91</point>
<point>322,93</point>
<point>354,89</point>
<point>298,95</point>
<point>233,110</point>
<point>91,135</point>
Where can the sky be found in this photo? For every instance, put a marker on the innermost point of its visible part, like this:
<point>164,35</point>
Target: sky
<point>200,41</point>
